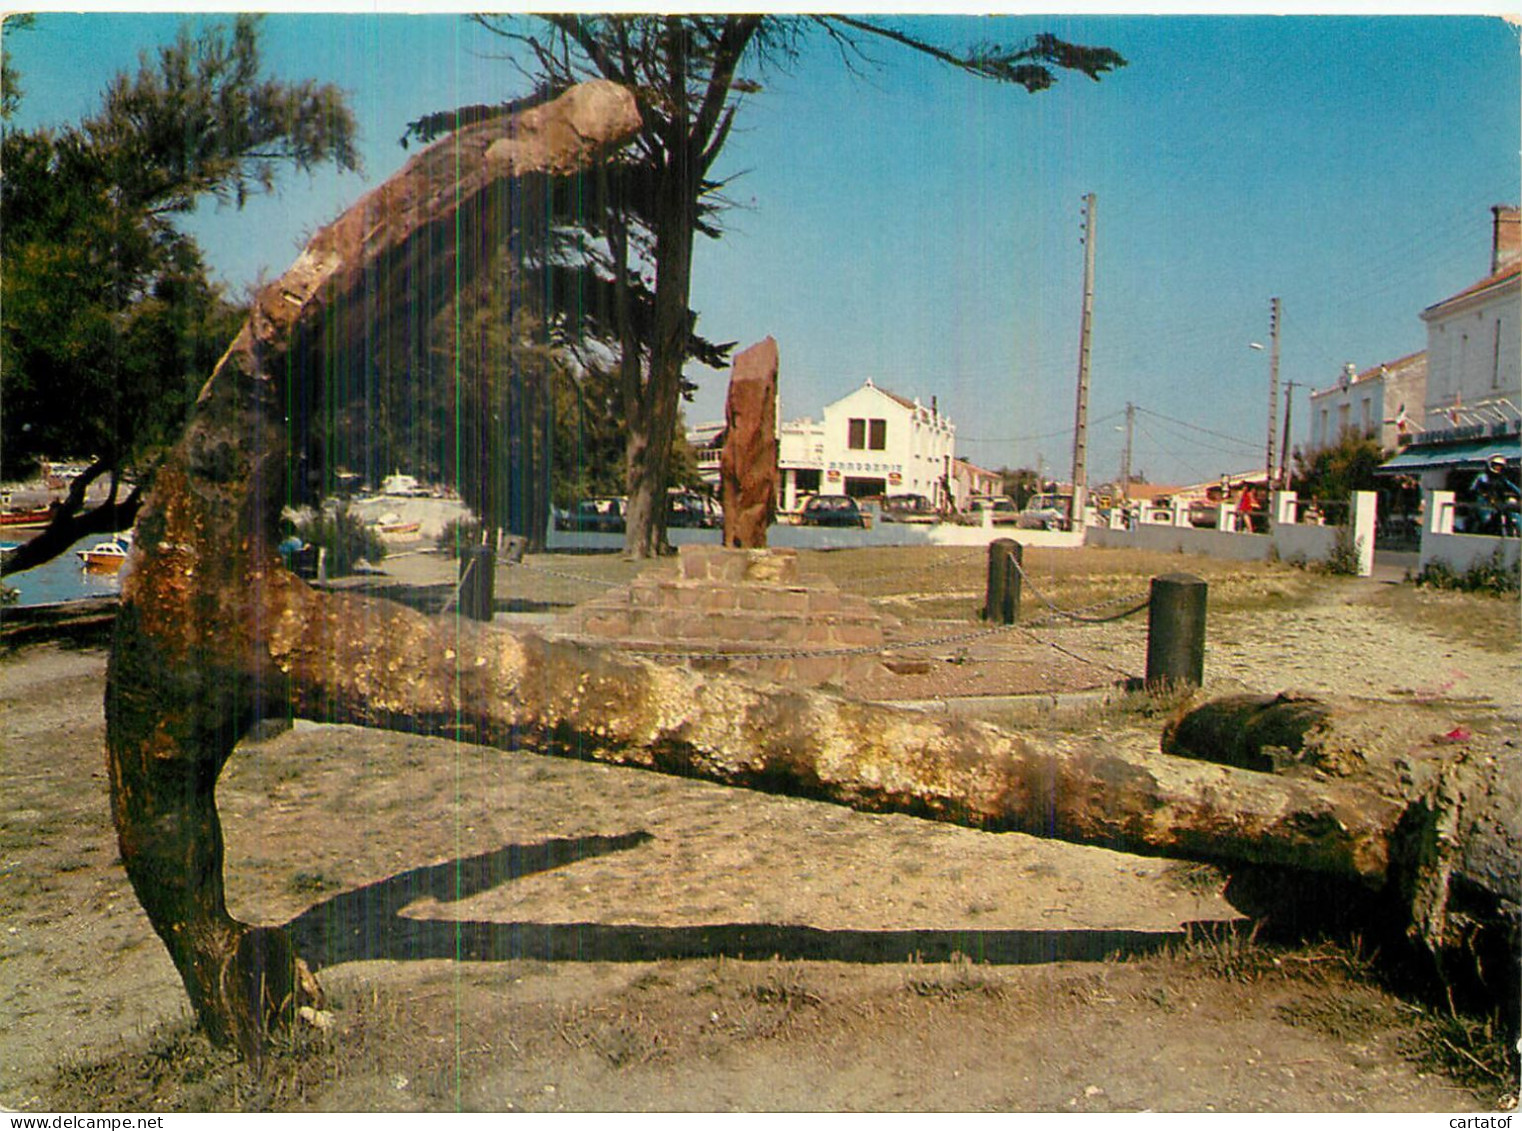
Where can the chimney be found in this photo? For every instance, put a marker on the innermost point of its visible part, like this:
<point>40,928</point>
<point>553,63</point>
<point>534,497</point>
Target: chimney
<point>1505,238</point>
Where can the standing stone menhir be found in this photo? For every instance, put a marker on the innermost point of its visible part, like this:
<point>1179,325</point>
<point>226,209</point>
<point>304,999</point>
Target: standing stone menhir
<point>748,462</point>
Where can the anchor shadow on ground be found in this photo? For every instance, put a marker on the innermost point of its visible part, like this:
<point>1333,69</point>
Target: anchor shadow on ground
<point>367,923</point>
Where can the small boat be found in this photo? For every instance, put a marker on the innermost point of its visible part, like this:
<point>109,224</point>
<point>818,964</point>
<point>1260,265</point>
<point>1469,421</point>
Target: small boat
<point>35,516</point>
<point>106,557</point>
<point>391,525</point>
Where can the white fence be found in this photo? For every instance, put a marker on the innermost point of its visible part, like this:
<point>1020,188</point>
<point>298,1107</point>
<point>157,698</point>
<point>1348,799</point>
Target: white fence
<point>1168,530</point>
<point>1460,552</point>
<point>1165,529</point>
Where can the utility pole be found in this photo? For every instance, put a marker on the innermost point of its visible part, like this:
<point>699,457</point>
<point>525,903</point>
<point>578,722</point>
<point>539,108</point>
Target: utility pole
<point>1274,315</point>
<point>1125,454</point>
<point>1289,403</point>
<point>1081,415</point>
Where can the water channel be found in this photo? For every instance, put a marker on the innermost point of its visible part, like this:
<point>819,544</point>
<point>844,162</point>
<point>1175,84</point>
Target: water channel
<point>62,579</point>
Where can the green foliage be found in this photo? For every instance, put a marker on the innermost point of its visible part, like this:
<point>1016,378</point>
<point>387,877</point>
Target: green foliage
<point>625,238</point>
<point>345,537</point>
<point>10,78</point>
<point>203,122</point>
<point>1343,559</point>
<point>109,322</point>
<point>459,533</point>
<point>1020,484</point>
<point>1492,575</point>
<point>1334,473</point>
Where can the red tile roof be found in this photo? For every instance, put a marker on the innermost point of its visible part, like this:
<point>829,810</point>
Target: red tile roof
<point>1393,368</point>
<point>1503,275</point>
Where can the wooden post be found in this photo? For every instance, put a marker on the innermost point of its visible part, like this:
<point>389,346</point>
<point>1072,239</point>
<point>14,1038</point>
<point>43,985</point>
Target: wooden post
<point>1001,602</point>
<point>478,569</point>
<point>1176,631</point>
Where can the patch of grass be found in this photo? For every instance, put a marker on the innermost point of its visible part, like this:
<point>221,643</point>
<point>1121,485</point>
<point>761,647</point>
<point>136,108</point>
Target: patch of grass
<point>1472,1051</point>
<point>784,984</point>
<point>1223,950</point>
<point>1338,1016</point>
<point>177,1069</point>
<point>312,883</point>
<point>620,1039</point>
<point>1492,576</point>
<point>1479,619</point>
<point>950,981</point>
<point>650,980</point>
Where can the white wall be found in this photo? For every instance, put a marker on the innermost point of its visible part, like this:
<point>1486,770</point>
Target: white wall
<point>1461,552</point>
<point>1286,541</point>
<point>1474,348</point>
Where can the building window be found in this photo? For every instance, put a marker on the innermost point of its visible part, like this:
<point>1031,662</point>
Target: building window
<point>1495,359</point>
<point>866,435</point>
<point>1367,408</point>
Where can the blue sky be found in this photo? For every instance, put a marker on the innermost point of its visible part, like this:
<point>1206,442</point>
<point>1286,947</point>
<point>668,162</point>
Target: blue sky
<point>921,228</point>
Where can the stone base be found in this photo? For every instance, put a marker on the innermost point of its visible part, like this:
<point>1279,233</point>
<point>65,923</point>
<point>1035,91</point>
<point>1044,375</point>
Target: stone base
<point>747,612</point>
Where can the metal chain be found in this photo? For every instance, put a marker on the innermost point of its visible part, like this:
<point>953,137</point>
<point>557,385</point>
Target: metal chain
<point>1055,616</point>
<point>808,653</point>
<point>911,571</point>
<point>602,582</point>
<point>1081,659</point>
<point>1078,615</point>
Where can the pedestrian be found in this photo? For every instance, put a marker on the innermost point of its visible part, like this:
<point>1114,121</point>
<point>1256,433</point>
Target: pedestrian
<point>1247,510</point>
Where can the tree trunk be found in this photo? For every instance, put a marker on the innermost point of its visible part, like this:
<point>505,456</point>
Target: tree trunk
<point>652,431</point>
<point>213,633</point>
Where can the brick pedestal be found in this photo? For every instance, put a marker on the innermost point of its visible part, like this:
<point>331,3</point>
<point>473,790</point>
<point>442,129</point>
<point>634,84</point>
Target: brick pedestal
<point>742,611</point>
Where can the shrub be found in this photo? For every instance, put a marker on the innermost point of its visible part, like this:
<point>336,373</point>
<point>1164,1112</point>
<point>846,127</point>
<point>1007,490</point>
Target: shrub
<point>1492,575</point>
<point>459,533</point>
<point>344,536</point>
<point>1342,561</point>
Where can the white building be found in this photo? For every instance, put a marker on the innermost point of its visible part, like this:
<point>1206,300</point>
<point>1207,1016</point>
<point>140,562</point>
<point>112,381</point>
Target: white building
<point>1384,402</point>
<point>968,480</point>
<point>879,443</point>
<point>1473,405</point>
<point>870,442</point>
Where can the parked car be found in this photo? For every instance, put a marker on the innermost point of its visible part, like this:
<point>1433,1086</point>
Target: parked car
<point>832,510</point>
<point>908,508</point>
<point>604,515</point>
<point>1043,512</point>
<point>1204,513</point>
<point>1002,508</point>
<point>690,509</point>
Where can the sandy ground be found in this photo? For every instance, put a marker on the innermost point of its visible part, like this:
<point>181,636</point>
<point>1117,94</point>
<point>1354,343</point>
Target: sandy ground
<point>502,931</point>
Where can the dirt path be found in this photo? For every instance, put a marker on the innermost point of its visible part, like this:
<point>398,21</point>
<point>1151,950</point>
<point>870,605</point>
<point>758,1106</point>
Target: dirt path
<point>504,931</point>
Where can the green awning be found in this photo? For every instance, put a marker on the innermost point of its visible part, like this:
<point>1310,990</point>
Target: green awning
<point>1463,454</point>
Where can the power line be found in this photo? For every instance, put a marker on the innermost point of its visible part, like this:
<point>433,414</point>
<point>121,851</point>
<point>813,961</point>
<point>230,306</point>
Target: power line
<point>1247,445</point>
<point>1068,431</point>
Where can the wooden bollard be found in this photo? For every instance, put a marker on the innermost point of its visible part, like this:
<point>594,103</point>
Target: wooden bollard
<point>478,576</point>
<point>1001,602</point>
<point>1176,631</point>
